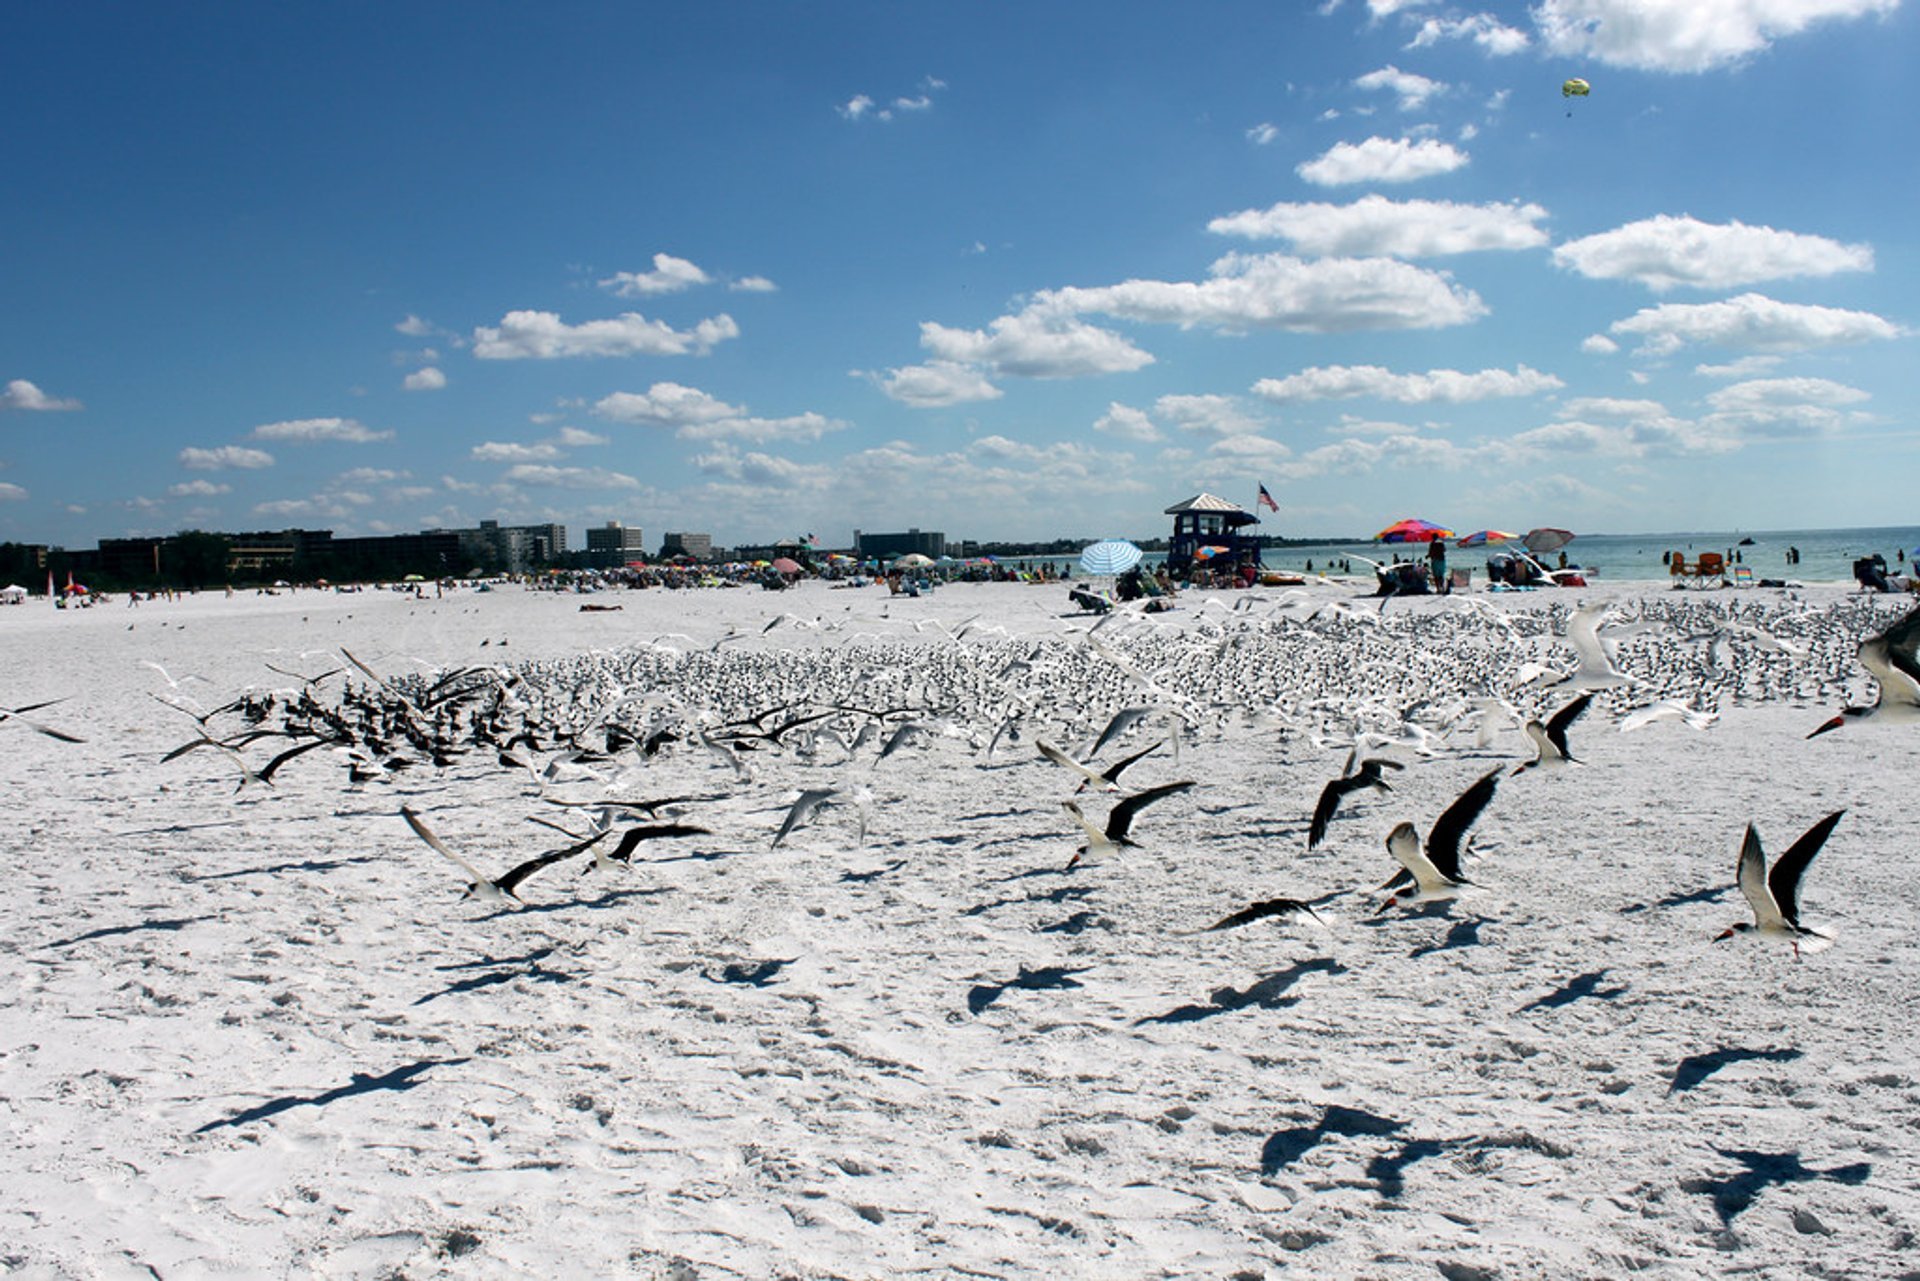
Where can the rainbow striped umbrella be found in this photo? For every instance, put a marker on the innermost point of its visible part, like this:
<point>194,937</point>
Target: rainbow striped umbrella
<point>1481,538</point>
<point>1411,530</point>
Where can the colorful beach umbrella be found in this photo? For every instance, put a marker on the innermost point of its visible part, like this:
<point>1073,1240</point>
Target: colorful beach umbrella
<point>1480,538</point>
<point>1208,553</point>
<point>1542,541</point>
<point>1109,556</point>
<point>786,564</point>
<point>1412,530</point>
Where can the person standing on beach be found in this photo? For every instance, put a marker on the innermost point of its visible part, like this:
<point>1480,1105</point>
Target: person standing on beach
<point>1437,563</point>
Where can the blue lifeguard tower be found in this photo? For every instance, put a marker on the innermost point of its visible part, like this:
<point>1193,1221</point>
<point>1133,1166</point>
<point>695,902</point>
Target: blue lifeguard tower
<point>1206,520</point>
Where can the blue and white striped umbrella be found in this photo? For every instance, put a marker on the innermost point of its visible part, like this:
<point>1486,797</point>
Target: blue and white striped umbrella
<point>1109,556</point>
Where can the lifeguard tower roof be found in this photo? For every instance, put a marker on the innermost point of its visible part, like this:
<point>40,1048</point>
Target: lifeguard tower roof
<point>1232,514</point>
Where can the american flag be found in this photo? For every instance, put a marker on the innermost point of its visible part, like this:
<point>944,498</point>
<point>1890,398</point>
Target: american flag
<point>1266,500</point>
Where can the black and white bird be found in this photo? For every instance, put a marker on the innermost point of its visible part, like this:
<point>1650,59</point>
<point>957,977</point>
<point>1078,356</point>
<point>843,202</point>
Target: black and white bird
<point>505,889</point>
<point>1893,657</point>
<point>802,809</point>
<point>1114,837</point>
<point>1550,740</point>
<point>1434,874</point>
<point>1088,776</point>
<point>1775,895</point>
<point>1368,775</point>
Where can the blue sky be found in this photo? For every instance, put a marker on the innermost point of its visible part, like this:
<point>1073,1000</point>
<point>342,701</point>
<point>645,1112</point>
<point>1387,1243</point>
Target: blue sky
<point>1008,271</point>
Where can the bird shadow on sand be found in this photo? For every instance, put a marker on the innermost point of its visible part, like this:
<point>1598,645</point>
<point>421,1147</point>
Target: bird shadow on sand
<point>533,972</point>
<point>612,898</point>
<point>1582,987</point>
<point>1462,934</point>
<point>274,869</point>
<point>1267,992</point>
<point>397,1080</point>
<point>1696,1068</point>
<point>867,878</point>
<point>1284,1147</point>
<point>1763,1170</point>
<point>111,931</point>
<point>1387,1170</point>
<point>748,973</point>
<point>1064,894</point>
<point>1680,900</point>
<point>1078,923</point>
<point>1048,978</point>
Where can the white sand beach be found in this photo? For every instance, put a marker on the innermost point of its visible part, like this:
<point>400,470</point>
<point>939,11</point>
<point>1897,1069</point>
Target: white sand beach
<point>255,1029</point>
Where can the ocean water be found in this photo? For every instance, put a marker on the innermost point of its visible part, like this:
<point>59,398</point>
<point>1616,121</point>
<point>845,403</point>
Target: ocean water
<point>1826,555</point>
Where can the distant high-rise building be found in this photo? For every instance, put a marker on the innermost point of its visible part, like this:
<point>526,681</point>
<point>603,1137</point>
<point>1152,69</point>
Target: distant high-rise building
<point>516,548</point>
<point>613,544</point>
<point>927,542</point>
<point>698,546</point>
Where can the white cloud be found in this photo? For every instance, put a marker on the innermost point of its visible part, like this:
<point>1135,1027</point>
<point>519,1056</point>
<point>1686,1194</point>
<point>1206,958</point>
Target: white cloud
<point>197,489</point>
<point>370,476</point>
<point>1381,160</point>
<point>753,285</point>
<point>1127,423</point>
<point>309,430</point>
<point>1374,225</point>
<point>414,327</point>
<point>1751,322</point>
<point>665,404</point>
<point>428,379</point>
<point>1413,90</point>
<point>1666,251</point>
<point>670,275</point>
<point>502,451</point>
<point>225,456</point>
<point>1273,291</point>
<point>695,415</point>
<point>542,335</point>
<point>1785,407</point>
<point>1035,344</point>
<point>1436,386</point>
<point>1598,345</point>
<point>1263,134</point>
<point>1683,35</point>
<point>21,394</point>
<point>1745,367</point>
<point>570,477</point>
<point>765,470</point>
<point>808,426</point>
<point>857,107</point>
<point>11,493</point>
<point>1485,30</point>
<point>579,437</point>
<point>938,383</point>
<point>1207,415</point>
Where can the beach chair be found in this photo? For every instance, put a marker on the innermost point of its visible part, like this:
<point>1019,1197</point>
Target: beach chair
<point>1460,580</point>
<point>1711,569</point>
<point>1743,576</point>
<point>1678,568</point>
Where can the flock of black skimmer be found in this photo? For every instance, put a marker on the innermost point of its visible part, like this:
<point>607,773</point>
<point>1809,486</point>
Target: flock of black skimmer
<point>1310,673</point>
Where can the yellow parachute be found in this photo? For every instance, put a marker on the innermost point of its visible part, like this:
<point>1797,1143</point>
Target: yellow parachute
<point>1575,89</point>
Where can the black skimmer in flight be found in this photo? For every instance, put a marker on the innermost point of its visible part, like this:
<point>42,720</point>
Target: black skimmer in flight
<point>505,889</point>
<point>1087,776</point>
<point>1113,839</point>
<point>803,809</point>
<point>1550,740</point>
<point>1894,659</point>
<point>1434,874</point>
<point>1775,895</point>
<point>1368,775</point>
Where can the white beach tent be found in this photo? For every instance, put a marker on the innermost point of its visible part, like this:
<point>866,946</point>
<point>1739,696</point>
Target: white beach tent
<point>13,594</point>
